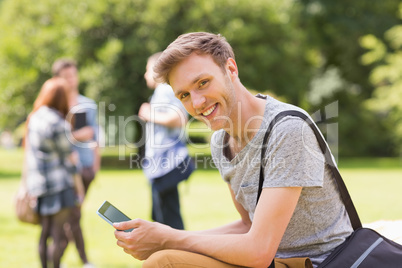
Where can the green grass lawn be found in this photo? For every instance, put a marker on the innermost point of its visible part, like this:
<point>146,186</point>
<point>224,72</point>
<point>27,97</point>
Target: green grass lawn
<point>206,203</point>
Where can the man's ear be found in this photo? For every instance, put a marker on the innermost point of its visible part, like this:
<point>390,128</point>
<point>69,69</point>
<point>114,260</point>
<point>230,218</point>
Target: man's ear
<point>231,67</point>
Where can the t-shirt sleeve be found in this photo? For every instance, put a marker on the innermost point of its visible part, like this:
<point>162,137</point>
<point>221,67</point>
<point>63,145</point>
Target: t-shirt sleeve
<point>92,113</point>
<point>293,157</point>
<point>216,145</point>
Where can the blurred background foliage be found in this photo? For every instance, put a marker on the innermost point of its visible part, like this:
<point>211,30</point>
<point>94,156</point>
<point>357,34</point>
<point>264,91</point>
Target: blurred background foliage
<point>310,53</point>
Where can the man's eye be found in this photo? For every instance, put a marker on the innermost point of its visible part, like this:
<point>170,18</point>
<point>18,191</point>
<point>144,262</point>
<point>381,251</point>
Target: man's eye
<point>202,83</point>
<point>182,96</point>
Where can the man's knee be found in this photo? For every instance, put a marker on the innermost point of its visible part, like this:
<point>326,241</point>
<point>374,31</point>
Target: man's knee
<point>171,258</point>
<point>163,258</point>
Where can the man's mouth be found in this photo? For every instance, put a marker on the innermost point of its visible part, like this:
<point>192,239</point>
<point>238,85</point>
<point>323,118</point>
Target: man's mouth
<point>209,111</point>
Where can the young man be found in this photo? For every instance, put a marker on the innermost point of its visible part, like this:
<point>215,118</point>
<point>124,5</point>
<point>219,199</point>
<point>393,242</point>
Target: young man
<point>166,159</point>
<point>84,139</point>
<point>299,212</point>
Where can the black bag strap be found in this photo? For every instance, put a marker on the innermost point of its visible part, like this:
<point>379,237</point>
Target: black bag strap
<point>347,201</point>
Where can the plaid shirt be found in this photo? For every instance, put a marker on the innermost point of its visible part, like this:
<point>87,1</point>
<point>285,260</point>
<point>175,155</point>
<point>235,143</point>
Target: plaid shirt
<point>48,168</point>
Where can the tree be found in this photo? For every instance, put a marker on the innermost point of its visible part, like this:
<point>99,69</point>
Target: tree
<point>291,48</point>
<point>386,77</point>
<point>335,27</point>
<point>111,40</point>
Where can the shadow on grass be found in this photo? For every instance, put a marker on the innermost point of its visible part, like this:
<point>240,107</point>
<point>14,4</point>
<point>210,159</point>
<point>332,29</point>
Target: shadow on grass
<point>370,163</point>
<point>9,175</point>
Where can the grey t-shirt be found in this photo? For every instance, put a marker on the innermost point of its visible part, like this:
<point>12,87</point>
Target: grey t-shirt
<point>293,159</point>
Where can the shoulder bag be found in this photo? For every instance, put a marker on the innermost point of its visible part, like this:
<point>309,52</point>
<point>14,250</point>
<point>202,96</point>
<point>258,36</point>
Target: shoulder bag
<point>25,204</point>
<point>365,248</point>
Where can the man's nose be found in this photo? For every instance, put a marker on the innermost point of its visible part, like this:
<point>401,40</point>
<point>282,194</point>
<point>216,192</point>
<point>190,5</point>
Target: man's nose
<point>198,100</point>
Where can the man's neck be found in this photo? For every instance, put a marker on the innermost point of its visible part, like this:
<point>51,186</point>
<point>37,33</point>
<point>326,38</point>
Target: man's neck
<point>73,97</point>
<point>248,118</point>
<point>249,115</point>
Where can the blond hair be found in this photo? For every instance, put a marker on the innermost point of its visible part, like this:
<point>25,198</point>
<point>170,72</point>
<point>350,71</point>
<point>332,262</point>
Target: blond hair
<point>198,42</point>
<point>62,64</point>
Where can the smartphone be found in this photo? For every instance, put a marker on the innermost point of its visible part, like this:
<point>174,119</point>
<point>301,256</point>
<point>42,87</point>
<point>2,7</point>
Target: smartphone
<point>80,120</point>
<point>111,214</point>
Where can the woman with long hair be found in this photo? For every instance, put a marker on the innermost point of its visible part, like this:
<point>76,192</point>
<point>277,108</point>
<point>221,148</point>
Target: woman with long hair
<point>49,167</point>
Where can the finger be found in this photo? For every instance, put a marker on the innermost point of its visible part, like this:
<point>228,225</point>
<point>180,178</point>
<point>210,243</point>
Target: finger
<point>126,244</point>
<point>129,252</point>
<point>128,249</point>
<point>121,244</point>
<point>125,225</point>
<point>120,235</point>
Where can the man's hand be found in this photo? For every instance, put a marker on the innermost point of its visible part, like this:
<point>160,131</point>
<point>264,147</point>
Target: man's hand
<point>146,238</point>
<point>145,112</point>
<point>84,134</point>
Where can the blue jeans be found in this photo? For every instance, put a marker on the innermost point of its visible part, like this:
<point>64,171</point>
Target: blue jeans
<point>166,208</point>
<point>166,202</point>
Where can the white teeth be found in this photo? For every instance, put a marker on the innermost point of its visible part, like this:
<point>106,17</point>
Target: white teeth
<point>209,111</point>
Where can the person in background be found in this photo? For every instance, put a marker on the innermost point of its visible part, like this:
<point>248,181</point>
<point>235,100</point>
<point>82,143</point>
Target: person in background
<point>84,140</point>
<point>299,212</point>
<point>166,161</point>
<point>49,167</point>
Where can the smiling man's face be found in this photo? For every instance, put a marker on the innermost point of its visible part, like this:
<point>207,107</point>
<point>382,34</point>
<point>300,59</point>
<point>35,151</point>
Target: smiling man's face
<point>205,90</point>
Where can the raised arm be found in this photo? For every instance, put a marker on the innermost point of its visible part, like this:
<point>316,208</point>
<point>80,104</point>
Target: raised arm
<point>172,118</point>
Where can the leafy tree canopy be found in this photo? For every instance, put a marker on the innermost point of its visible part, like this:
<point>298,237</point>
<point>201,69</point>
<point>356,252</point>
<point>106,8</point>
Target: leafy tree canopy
<point>386,76</point>
<point>306,51</point>
<point>112,39</point>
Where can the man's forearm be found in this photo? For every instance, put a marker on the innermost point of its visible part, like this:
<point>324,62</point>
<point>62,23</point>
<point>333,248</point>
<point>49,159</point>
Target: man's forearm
<point>97,159</point>
<point>238,249</point>
<point>84,134</point>
<point>171,120</point>
<point>236,227</point>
